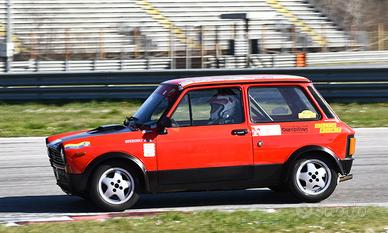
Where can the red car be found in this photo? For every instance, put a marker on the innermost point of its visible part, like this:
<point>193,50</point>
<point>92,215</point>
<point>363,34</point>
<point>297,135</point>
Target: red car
<point>211,133</point>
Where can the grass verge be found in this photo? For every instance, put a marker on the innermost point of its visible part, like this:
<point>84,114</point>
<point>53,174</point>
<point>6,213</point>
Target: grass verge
<point>363,115</point>
<point>42,119</point>
<point>39,119</point>
<point>351,219</point>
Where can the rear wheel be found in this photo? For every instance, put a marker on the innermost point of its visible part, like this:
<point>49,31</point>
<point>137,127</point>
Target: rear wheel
<point>114,187</point>
<point>313,179</point>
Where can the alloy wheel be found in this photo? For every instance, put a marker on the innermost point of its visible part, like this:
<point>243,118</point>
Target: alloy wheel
<point>313,177</point>
<point>116,186</point>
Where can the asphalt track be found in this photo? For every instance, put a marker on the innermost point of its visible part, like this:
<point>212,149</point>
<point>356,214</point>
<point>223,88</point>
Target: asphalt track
<point>28,189</point>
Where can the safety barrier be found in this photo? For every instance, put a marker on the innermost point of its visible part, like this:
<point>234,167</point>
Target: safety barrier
<point>180,61</point>
<point>336,84</point>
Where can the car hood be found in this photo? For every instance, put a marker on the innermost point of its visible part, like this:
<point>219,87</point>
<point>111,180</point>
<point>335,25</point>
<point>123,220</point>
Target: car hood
<point>101,130</point>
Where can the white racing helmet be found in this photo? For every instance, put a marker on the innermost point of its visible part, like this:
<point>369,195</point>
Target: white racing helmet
<point>223,109</point>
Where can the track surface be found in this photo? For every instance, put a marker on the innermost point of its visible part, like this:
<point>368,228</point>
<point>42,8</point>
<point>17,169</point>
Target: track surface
<point>27,184</point>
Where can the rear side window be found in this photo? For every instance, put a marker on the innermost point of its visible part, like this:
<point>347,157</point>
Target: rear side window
<point>322,103</point>
<point>277,104</point>
<point>216,106</point>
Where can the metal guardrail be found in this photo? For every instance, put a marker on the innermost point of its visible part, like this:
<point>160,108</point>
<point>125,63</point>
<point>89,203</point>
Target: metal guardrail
<point>336,84</point>
<point>209,61</point>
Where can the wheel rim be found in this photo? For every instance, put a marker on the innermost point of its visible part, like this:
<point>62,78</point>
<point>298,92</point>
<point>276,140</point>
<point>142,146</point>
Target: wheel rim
<point>116,186</point>
<point>313,177</point>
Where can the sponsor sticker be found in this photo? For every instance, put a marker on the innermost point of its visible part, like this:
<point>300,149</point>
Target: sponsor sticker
<point>133,141</point>
<point>149,149</point>
<point>307,114</point>
<point>128,141</point>
<point>266,130</point>
<point>295,130</point>
<point>77,145</point>
<point>328,128</point>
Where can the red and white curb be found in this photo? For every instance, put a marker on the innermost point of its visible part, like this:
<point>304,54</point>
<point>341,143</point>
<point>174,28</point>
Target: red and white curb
<point>77,218</point>
<point>74,217</point>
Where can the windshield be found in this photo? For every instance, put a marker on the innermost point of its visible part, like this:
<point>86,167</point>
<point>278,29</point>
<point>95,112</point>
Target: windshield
<point>156,104</point>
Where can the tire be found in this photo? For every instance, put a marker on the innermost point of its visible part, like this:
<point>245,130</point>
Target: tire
<point>312,179</point>
<point>114,187</point>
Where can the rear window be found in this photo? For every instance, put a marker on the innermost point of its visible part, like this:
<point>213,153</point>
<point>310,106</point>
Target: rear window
<point>280,104</point>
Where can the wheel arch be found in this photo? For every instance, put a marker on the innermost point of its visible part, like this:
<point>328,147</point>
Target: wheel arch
<point>319,150</point>
<point>133,161</point>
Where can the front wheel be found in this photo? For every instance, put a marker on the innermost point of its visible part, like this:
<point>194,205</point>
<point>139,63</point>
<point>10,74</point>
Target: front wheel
<point>313,179</point>
<point>114,187</point>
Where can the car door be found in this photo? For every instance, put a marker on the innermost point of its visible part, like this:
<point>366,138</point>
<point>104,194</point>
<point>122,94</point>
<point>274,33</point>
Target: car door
<point>283,119</point>
<point>200,148</point>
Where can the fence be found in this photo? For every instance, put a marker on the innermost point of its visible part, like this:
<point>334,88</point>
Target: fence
<point>336,84</point>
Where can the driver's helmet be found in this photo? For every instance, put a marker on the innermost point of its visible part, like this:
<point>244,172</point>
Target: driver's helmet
<point>223,109</point>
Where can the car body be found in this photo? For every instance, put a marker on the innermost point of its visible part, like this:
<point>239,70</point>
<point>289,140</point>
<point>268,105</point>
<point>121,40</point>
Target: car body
<point>211,133</point>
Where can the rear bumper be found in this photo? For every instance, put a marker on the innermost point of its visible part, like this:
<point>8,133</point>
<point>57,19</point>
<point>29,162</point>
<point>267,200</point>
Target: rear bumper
<point>346,165</point>
<point>345,178</point>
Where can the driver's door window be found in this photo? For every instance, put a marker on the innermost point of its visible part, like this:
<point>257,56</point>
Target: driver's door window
<point>209,107</point>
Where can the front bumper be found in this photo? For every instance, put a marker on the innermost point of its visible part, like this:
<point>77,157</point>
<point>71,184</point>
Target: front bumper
<point>69,183</point>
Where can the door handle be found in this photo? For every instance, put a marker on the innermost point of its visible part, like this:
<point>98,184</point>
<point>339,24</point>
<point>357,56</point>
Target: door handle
<point>239,132</point>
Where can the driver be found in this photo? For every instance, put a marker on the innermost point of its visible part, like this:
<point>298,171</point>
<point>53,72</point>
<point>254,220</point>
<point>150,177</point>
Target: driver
<point>224,109</point>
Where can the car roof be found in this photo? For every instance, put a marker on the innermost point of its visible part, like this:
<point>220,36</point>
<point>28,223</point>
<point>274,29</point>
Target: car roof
<point>236,79</point>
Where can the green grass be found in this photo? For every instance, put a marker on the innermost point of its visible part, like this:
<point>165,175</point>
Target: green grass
<point>39,119</point>
<point>363,115</point>
<point>355,219</point>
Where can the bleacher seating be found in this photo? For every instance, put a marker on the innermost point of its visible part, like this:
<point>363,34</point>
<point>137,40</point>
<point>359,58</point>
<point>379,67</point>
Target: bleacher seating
<point>69,27</point>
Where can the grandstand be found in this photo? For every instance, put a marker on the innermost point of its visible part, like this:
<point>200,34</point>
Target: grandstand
<point>134,29</point>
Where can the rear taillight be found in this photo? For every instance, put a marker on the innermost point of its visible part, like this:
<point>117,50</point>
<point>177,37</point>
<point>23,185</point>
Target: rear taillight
<point>351,146</point>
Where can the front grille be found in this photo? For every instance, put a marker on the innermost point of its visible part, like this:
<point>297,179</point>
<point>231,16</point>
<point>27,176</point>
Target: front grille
<point>56,157</point>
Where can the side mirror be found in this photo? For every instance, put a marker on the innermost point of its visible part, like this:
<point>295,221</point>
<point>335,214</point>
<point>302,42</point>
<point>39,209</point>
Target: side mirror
<point>163,123</point>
